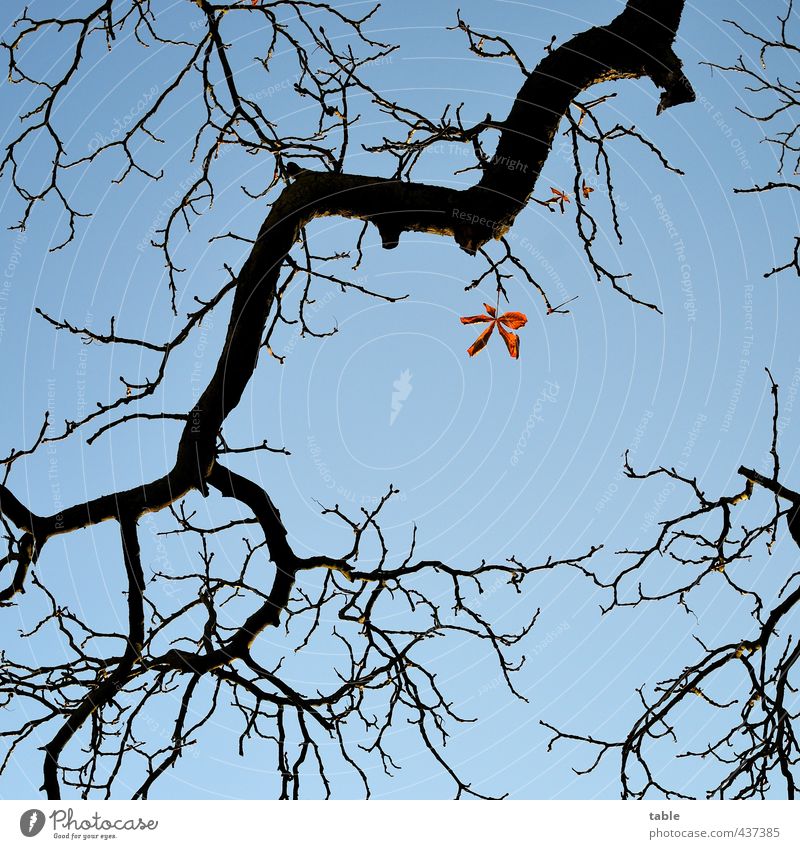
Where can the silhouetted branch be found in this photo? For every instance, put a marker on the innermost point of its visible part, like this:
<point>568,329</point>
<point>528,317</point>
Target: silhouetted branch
<point>179,646</point>
<point>759,744</point>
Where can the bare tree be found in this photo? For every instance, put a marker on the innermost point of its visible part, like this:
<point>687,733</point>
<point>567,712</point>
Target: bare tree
<point>775,104</point>
<point>747,683</point>
<point>89,703</point>
<point>746,679</point>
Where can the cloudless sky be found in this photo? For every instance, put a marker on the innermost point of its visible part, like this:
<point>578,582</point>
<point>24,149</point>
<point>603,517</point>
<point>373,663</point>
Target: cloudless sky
<point>492,457</point>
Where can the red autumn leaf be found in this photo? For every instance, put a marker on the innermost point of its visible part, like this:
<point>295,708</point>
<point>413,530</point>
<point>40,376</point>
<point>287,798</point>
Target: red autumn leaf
<point>511,340</point>
<point>587,190</point>
<point>513,320</point>
<point>559,197</point>
<point>480,343</point>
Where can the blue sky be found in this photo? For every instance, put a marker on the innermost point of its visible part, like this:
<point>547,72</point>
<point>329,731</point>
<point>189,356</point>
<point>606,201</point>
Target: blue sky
<point>492,457</point>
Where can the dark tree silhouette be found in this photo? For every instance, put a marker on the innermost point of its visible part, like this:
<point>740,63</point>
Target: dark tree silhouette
<point>775,104</point>
<point>748,678</point>
<point>757,750</point>
<point>88,704</point>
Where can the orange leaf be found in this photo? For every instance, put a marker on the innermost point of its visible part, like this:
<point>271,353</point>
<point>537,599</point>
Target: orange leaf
<point>480,343</point>
<point>511,340</point>
<point>513,319</point>
<point>510,319</point>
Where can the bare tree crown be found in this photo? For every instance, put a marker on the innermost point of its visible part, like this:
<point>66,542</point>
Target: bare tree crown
<point>98,695</point>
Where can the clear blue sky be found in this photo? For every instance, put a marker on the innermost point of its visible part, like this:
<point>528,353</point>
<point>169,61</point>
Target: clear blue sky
<point>493,457</point>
